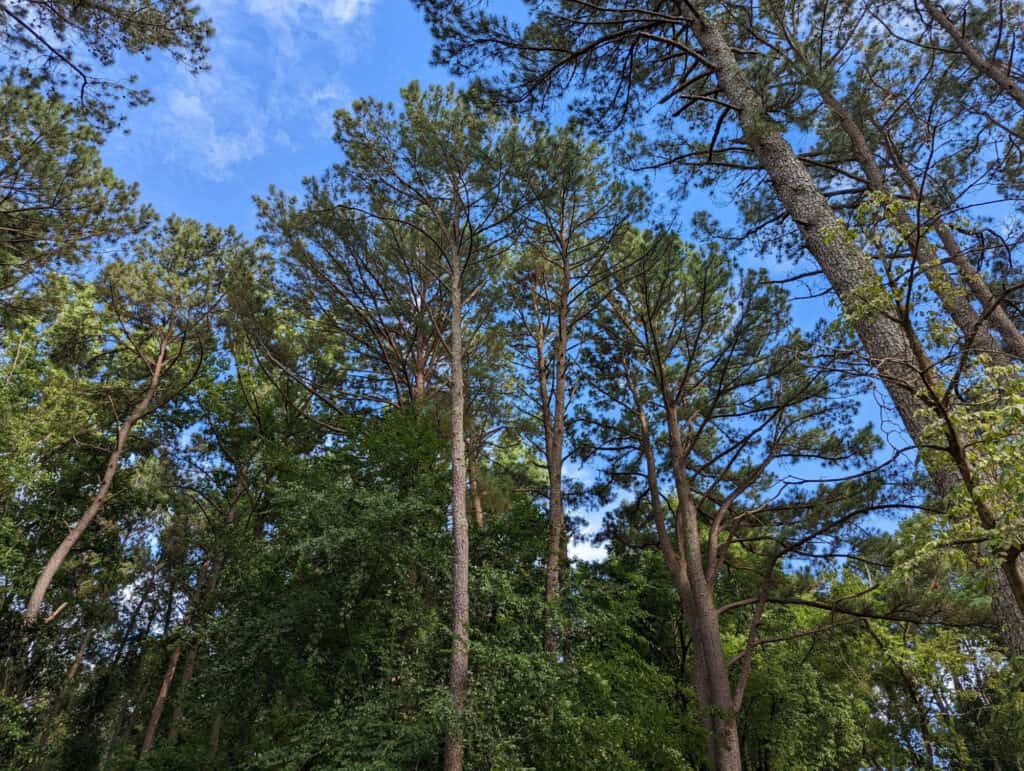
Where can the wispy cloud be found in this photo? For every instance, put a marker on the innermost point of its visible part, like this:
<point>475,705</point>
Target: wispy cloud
<point>290,11</point>
<point>273,83</point>
<point>212,143</point>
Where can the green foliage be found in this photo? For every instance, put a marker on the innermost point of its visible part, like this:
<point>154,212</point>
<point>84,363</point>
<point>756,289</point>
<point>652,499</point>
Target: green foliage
<point>58,46</point>
<point>278,525</point>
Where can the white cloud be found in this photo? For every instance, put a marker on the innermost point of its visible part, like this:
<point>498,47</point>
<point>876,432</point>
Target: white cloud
<point>325,101</point>
<point>208,127</point>
<point>337,11</point>
<point>587,551</point>
<point>272,85</point>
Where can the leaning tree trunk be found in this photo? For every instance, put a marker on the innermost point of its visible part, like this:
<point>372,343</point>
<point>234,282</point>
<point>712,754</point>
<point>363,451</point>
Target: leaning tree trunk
<point>186,677</point>
<point>994,71</point>
<point>992,306</point>
<point>891,348</point>
<point>454,749</point>
<point>161,700</point>
<point>954,300</point>
<point>975,330</point>
<point>99,501</point>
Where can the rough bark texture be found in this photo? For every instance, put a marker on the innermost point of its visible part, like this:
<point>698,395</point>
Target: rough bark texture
<point>974,329</point>
<point>100,499</point>
<point>995,71</point>
<point>849,271</point>
<point>454,748</point>
<point>684,560</point>
<point>704,622</point>
<point>892,349</point>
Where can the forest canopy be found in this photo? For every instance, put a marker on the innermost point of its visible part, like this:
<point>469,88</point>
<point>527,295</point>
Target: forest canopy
<point>649,396</point>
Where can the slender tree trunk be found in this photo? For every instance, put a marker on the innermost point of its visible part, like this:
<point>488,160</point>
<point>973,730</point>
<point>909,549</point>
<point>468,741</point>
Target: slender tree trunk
<point>206,584</point>
<point>554,446</point>
<point>80,655</point>
<point>994,71</point>
<point>133,621</point>
<point>214,741</point>
<point>161,700</point>
<point>459,666</point>
<point>992,307</point>
<point>973,328</point>
<point>100,499</point>
<point>186,677</point>
<point>62,698</point>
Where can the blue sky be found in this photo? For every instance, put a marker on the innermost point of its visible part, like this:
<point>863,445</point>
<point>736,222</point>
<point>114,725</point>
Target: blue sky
<point>262,114</point>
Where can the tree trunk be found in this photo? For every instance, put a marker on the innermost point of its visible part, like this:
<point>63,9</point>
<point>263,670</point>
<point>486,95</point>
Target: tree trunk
<point>100,499</point>
<point>710,671</point>
<point>993,70</point>
<point>62,697</point>
<point>214,741</point>
<point>161,701</point>
<point>186,677</point>
<point>80,655</point>
<point>459,666</point>
<point>554,445</point>
<point>973,328</point>
<point>892,349</point>
<point>992,307</point>
<point>704,622</point>
<point>206,584</point>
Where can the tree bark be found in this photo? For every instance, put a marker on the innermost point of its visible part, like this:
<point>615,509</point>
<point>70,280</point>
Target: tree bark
<point>186,677</point>
<point>454,750</point>
<point>994,71</point>
<point>100,499</point>
<point>892,348</point>
<point>705,624</point>
<point>161,700</point>
<point>992,307</point>
<point>206,584</point>
<point>80,655</point>
<point>554,435</point>
<point>214,741</point>
<point>974,328</point>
